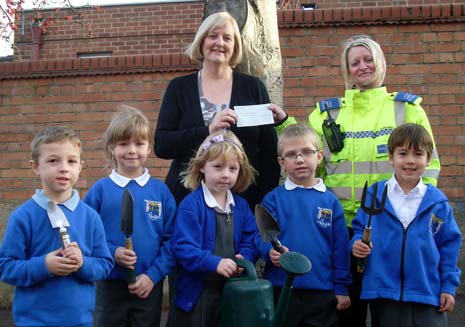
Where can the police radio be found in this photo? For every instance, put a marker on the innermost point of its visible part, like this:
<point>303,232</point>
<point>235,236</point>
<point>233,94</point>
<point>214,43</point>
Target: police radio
<point>333,134</point>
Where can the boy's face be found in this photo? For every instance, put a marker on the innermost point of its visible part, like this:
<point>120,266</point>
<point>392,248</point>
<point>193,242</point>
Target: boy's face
<point>300,160</point>
<point>130,156</point>
<point>409,164</point>
<point>58,166</point>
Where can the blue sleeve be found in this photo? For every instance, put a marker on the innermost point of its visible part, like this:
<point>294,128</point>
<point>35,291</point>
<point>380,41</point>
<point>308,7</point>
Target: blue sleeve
<point>97,265</point>
<point>248,232</point>
<point>190,248</point>
<point>449,242</point>
<point>94,199</point>
<point>164,262</point>
<point>341,253</point>
<point>16,267</point>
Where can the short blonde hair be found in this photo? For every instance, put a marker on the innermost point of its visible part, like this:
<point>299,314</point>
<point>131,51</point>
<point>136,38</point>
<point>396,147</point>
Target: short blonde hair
<point>51,135</point>
<point>212,22</point>
<point>224,145</point>
<point>298,131</point>
<point>378,59</point>
<point>125,123</point>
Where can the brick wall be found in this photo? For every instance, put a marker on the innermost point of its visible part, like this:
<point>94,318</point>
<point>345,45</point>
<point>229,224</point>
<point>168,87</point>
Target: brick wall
<point>424,46</point>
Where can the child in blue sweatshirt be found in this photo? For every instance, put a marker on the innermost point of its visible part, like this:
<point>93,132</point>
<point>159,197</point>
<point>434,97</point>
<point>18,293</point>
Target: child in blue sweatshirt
<point>54,284</point>
<point>212,227</point>
<point>128,141</point>
<point>311,222</point>
<point>411,269</point>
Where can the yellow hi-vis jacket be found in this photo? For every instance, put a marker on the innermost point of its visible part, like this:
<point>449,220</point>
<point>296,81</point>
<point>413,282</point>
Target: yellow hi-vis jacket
<point>367,118</point>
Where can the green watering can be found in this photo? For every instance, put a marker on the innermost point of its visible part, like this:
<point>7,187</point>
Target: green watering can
<point>248,301</point>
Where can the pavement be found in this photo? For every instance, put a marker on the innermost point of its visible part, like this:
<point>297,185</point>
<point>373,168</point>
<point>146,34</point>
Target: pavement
<point>456,318</point>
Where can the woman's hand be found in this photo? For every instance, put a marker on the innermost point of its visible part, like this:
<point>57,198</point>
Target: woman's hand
<point>278,113</point>
<point>222,119</point>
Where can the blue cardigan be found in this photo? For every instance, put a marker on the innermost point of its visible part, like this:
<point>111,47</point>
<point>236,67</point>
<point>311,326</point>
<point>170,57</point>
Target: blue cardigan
<point>181,129</point>
<point>415,264</point>
<point>194,241</point>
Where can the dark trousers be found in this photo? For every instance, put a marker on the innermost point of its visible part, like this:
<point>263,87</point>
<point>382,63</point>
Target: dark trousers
<point>116,307</point>
<point>310,308</point>
<point>387,313</point>
<point>356,314</point>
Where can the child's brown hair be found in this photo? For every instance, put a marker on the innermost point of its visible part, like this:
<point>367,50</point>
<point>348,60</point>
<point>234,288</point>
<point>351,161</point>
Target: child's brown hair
<point>411,135</point>
<point>51,135</point>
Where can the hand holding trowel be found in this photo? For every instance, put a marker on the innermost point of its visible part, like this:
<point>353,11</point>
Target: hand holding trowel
<point>58,220</point>
<point>372,210</point>
<point>127,223</point>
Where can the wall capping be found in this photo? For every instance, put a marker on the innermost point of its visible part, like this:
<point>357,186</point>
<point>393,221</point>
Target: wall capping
<point>415,14</point>
<point>95,66</point>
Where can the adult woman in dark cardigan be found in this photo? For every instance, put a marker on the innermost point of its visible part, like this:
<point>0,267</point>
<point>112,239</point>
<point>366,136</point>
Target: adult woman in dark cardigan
<point>201,103</point>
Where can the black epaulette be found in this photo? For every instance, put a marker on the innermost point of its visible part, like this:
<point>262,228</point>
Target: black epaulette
<point>406,97</point>
<point>330,103</point>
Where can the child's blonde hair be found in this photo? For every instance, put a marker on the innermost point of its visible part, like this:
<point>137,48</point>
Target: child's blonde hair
<point>298,131</point>
<point>224,145</point>
<point>126,122</point>
<point>51,135</point>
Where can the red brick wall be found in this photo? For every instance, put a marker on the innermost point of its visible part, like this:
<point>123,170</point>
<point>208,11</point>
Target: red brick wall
<point>424,46</point>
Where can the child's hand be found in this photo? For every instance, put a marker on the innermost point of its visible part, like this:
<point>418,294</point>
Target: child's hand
<point>275,255</point>
<point>59,265</point>
<point>343,302</point>
<point>125,257</point>
<point>226,267</point>
<point>74,253</point>
<point>239,270</point>
<point>446,302</point>
<point>142,287</point>
<point>360,249</point>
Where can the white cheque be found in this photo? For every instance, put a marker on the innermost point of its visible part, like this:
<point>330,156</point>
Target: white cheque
<point>254,115</point>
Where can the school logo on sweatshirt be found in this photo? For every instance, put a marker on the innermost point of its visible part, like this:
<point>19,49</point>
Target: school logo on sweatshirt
<point>324,217</point>
<point>435,224</point>
<point>153,209</point>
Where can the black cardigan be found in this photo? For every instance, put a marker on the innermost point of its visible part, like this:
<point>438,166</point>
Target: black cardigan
<point>181,129</point>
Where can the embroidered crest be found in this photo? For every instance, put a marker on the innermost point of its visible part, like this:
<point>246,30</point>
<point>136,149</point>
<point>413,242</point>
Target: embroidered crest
<point>324,217</point>
<point>153,209</point>
<point>435,224</point>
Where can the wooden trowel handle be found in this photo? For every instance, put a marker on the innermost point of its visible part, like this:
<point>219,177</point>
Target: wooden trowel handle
<point>130,273</point>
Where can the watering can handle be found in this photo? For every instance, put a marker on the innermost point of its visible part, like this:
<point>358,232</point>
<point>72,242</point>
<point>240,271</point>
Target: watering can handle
<point>248,267</point>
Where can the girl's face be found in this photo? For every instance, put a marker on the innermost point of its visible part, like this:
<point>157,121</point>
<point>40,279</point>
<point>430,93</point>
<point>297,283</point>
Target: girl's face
<point>130,156</point>
<point>409,164</point>
<point>218,45</point>
<point>220,176</point>
<point>361,67</point>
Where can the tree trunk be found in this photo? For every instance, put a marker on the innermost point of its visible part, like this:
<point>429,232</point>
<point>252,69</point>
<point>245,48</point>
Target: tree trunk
<point>260,40</point>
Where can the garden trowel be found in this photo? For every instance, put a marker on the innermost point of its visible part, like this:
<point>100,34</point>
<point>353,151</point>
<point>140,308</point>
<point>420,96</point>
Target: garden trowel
<point>127,224</point>
<point>268,227</point>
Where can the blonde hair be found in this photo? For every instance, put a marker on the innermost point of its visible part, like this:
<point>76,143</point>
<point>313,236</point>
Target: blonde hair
<point>378,59</point>
<point>51,135</point>
<point>125,123</point>
<point>226,146</point>
<point>212,22</point>
<point>298,131</point>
